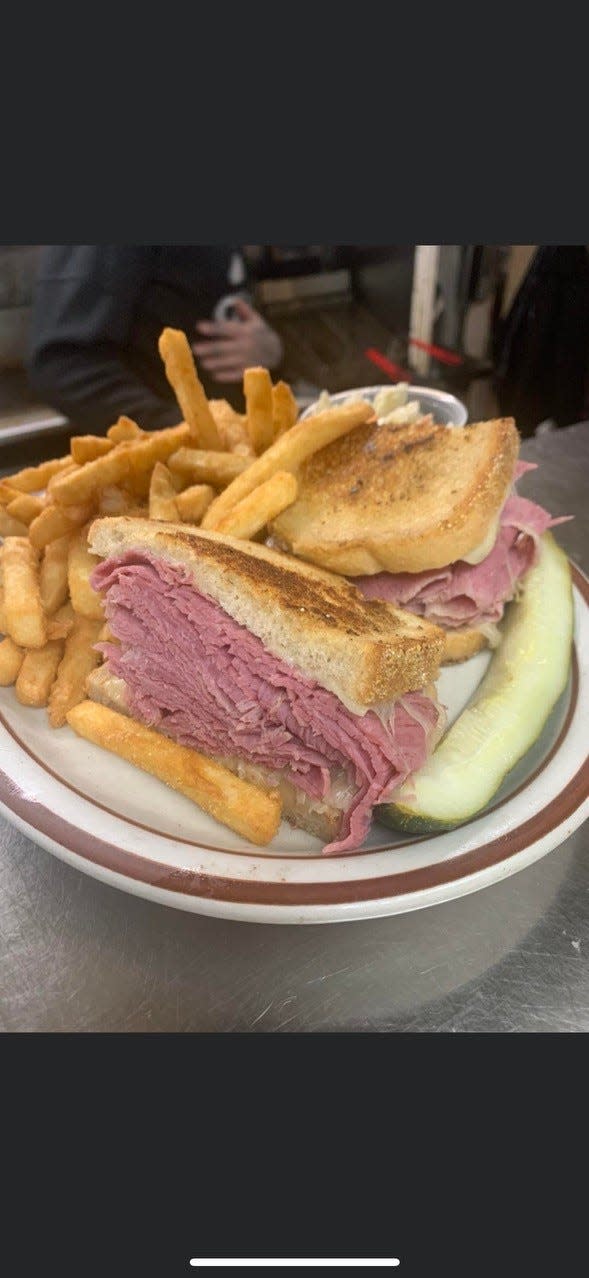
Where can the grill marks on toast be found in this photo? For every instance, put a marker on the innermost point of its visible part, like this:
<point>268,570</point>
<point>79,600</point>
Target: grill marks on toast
<point>361,464</point>
<point>365,651</point>
<point>401,499</point>
<point>335,605</point>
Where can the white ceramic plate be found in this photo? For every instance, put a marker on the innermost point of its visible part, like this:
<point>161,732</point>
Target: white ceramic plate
<point>105,817</point>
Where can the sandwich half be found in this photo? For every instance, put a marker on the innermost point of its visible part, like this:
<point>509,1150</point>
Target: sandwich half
<point>425,517</point>
<point>281,671</point>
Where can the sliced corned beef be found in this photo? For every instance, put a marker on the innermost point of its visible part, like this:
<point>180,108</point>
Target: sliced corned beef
<point>471,594</point>
<point>197,675</point>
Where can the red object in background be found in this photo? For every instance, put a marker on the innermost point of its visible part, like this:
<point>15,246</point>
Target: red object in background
<point>394,371</point>
<point>438,352</point>
<point>398,374</point>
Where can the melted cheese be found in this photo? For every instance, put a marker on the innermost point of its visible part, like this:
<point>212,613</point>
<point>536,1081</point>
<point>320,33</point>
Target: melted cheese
<point>481,551</point>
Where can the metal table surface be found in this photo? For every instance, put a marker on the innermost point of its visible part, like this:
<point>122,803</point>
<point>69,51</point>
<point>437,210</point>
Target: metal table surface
<point>76,955</point>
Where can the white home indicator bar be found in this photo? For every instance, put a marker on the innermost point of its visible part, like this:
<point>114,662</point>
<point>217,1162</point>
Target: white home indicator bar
<point>240,1264</point>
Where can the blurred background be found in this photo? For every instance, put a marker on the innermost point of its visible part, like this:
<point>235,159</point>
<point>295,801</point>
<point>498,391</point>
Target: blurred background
<point>503,327</point>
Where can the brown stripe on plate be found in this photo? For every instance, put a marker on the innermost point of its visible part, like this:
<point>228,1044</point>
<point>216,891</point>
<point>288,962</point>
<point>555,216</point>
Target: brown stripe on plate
<point>194,883</point>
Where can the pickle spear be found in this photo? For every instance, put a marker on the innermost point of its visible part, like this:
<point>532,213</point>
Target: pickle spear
<point>526,676</point>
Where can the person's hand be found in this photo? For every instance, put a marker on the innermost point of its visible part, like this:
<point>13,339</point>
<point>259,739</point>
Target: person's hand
<point>236,344</point>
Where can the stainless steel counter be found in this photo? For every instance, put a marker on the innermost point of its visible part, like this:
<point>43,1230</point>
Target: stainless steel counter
<point>77,955</point>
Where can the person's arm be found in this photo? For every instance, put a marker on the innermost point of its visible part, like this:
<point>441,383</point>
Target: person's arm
<point>83,308</point>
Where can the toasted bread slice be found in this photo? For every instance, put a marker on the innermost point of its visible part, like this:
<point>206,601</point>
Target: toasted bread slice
<point>320,819</point>
<point>400,499</point>
<point>462,644</point>
<point>365,651</point>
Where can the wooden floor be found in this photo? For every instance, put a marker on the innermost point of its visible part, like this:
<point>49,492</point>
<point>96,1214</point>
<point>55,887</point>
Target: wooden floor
<point>325,345</point>
<point>326,350</point>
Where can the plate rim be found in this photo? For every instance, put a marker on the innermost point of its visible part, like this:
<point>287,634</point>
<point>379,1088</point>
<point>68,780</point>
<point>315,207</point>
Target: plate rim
<point>267,901</point>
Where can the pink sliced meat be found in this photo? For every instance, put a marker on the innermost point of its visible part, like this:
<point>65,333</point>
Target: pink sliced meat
<point>470,594</point>
<point>195,674</point>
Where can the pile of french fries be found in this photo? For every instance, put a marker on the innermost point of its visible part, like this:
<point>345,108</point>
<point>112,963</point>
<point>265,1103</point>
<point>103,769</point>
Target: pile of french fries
<point>228,472</point>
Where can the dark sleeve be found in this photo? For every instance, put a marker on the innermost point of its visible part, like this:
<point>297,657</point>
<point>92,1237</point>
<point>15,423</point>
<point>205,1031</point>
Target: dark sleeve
<point>83,308</point>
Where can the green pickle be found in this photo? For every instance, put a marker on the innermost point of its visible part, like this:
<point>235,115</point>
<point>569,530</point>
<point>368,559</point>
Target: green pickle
<point>526,676</point>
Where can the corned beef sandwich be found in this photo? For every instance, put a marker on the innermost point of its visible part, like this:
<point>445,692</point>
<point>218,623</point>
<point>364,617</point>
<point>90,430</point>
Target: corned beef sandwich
<point>281,671</point>
<point>425,517</point>
<point>468,599</point>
